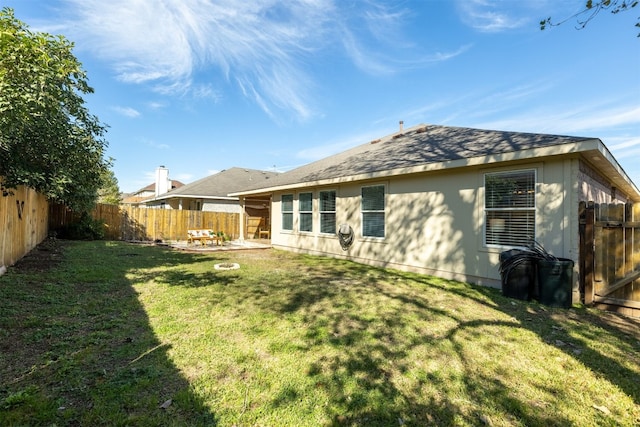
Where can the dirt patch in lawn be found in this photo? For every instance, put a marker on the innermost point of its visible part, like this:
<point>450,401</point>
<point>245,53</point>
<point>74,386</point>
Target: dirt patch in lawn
<point>43,257</point>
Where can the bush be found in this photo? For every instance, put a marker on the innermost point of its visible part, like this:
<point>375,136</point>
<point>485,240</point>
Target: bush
<point>85,228</point>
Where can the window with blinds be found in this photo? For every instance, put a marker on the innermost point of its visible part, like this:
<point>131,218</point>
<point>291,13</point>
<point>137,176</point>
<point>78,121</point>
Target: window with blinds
<point>287,212</point>
<point>327,201</point>
<point>305,211</point>
<point>373,211</point>
<point>510,208</point>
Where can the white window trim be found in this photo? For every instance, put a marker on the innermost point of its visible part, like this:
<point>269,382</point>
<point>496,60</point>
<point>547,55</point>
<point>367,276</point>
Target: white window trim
<point>300,212</point>
<point>537,173</point>
<point>320,211</point>
<point>291,212</point>
<point>384,211</point>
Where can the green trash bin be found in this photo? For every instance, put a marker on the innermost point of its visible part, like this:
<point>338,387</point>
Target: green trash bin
<point>517,271</point>
<point>555,282</point>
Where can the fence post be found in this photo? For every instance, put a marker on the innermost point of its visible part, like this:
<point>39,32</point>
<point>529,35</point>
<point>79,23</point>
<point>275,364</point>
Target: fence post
<point>586,267</point>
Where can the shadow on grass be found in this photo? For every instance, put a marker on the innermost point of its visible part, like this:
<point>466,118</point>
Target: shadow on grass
<point>359,378</point>
<point>70,355</point>
<point>574,335</point>
<point>195,280</point>
<point>77,347</point>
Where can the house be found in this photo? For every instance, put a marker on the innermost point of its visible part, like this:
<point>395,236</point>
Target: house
<point>211,193</point>
<point>444,201</point>
<point>161,185</point>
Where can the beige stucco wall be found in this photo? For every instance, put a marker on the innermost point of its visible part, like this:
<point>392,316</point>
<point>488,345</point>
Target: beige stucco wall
<point>228,206</point>
<point>434,222</point>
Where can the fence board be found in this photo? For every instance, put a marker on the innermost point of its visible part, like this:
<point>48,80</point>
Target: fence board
<point>24,215</point>
<point>627,268</point>
<point>133,223</point>
<point>598,257</point>
<point>614,271</point>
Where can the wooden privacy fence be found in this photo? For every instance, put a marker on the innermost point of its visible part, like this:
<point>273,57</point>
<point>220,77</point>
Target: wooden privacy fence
<point>133,223</point>
<point>610,256</point>
<point>23,222</point>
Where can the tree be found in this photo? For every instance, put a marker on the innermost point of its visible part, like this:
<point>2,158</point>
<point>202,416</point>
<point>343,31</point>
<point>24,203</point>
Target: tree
<point>109,192</point>
<point>48,139</point>
<point>592,9</point>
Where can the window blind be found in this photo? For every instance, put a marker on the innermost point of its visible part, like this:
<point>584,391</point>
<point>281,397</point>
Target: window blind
<point>510,213</point>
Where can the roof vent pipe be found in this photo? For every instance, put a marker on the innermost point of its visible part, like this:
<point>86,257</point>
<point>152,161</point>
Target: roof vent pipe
<point>401,126</point>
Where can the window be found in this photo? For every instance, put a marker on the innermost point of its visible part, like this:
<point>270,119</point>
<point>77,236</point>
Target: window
<point>510,209</point>
<point>327,212</point>
<point>373,211</point>
<point>287,212</point>
<point>305,208</point>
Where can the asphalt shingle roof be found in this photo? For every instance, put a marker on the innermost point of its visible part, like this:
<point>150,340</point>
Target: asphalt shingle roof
<point>419,145</point>
<point>222,183</point>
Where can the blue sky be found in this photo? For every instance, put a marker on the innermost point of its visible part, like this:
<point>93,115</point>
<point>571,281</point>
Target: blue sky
<point>204,85</point>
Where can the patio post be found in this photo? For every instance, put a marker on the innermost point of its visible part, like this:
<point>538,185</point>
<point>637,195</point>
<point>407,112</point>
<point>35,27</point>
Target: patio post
<point>242,218</point>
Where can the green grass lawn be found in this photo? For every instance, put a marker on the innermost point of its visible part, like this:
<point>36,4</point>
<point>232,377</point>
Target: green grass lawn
<point>131,335</point>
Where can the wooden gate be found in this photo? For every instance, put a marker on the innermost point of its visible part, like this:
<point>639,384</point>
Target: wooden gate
<point>610,256</point>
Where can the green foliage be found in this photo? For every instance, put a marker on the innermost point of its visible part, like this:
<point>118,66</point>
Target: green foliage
<point>591,10</point>
<point>17,398</point>
<point>86,228</point>
<point>48,139</point>
<point>109,191</point>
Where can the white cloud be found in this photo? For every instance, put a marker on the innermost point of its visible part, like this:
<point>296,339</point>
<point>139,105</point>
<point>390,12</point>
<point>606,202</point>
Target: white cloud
<point>154,105</point>
<point>589,120</point>
<point>127,111</point>
<point>340,144</point>
<point>631,143</point>
<point>391,50</point>
<point>184,177</point>
<point>262,46</point>
<point>492,16</point>
<point>154,144</point>
<point>166,43</point>
<point>149,177</point>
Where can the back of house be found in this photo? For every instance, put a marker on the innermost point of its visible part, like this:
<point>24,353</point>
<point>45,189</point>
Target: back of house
<point>444,201</point>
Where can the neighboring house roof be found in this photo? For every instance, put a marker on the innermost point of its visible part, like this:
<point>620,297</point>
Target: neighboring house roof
<point>138,197</point>
<point>219,185</point>
<point>133,199</point>
<point>430,147</point>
